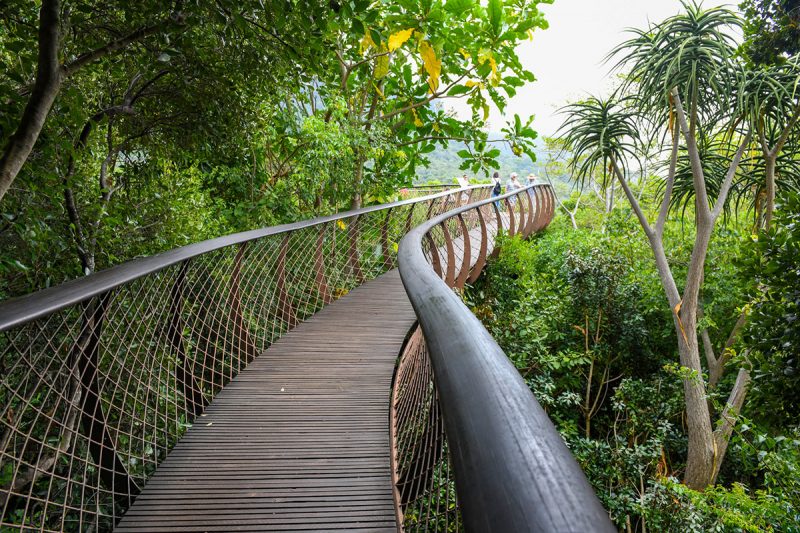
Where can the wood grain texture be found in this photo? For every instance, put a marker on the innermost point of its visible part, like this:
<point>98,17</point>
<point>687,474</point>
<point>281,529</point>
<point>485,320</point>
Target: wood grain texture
<point>299,441</point>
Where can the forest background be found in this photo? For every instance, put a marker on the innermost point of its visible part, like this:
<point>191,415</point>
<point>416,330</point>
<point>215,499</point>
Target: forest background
<point>128,133</point>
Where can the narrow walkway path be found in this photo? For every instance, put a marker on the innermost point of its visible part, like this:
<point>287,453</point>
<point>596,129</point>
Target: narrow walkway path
<point>300,439</point>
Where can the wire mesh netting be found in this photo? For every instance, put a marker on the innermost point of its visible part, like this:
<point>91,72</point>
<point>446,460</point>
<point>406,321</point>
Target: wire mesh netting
<point>96,394</point>
<point>457,249</point>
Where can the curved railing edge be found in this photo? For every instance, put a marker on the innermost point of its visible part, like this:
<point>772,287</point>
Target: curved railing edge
<point>26,308</point>
<point>513,471</point>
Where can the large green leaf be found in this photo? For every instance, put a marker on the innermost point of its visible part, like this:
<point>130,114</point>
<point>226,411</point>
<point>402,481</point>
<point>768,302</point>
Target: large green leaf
<point>458,6</point>
<point>496,15</point>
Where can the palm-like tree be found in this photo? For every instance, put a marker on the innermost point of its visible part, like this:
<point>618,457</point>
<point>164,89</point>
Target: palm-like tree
<point>769,99</point>
<point>681,87</point>
<point>602,135</point>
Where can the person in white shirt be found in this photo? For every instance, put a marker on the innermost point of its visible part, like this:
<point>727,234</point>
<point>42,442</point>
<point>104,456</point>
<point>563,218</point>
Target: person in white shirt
<point>513,185</point>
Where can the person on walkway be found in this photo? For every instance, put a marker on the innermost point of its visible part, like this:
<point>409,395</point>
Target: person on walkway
<point>531,179</point>
<point>497,187</point>
<point>463,183</point>
<point>513,185</point>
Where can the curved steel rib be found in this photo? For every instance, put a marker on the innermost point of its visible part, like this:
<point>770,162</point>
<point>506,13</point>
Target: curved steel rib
<point>513,471</point>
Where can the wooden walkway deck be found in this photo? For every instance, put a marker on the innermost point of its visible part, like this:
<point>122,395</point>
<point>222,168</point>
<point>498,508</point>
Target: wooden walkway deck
<point>299,441</point>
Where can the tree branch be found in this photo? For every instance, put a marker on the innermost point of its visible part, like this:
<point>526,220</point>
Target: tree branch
<point>109,48</point>
<point>632,199</point>
<point>733,407</point>
<point>716,374</point>
<point>673,163</point>
<point>704,211</point>
<point>728,182</point>
<point>45,89</point>
<point>786,131</point>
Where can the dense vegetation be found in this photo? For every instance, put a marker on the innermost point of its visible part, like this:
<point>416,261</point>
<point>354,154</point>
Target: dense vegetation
<point>581,313</point>
<point>659,330</point>
<point>129,131</point>
<point>656,323</point>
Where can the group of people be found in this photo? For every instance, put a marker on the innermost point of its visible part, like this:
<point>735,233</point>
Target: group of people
<point>513,185</point>
<point>497,184</point>
<point>497,189</point>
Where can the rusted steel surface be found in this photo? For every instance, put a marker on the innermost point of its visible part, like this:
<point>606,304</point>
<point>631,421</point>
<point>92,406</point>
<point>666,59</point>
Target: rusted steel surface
<point>299,439</point>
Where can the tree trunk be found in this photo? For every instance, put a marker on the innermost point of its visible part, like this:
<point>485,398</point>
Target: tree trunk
<point>701,452</point>
<point>45,89</point>
<point>722,436</point>
<point>769,207</point>
<point>357,182</point>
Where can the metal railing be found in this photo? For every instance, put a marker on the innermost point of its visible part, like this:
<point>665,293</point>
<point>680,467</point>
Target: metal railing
<point>101,376</point>
<point>472,449</point>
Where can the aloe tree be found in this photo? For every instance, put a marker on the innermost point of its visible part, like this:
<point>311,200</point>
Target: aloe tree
<point>770,97</point>
<point>681,78</point>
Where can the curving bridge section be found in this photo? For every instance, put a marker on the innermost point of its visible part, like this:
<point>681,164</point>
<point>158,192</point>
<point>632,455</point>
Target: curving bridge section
<point>286,379</point>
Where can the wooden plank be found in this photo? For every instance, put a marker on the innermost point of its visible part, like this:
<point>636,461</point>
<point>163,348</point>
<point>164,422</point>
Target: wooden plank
<point>299,441</point>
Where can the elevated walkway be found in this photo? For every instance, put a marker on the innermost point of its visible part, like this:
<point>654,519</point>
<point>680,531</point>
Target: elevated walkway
<point>299,440</point>
<point>277,348</point>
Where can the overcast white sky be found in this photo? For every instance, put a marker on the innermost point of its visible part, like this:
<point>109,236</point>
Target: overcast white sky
<point>567,58</point>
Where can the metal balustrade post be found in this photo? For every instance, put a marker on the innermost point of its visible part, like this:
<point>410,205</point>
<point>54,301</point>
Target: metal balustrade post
<point>521,228</point>
<point>431,207</point>
<point>481,261</point>
<point>241,330</point>
<point>495,250</point>
<point>451,256</point>
<point>531,214</point>
<point>511,223</point>
<point>353,261</point>
<point>319,267</point>
<point>187,383</point>
<point>466,259</point>
<point>437,265</point>
<point>537,222</point>
<point>409,219</point>
<point>286,310</point>
<point>387,257</point>
<point>102,446</point>
<point>551,198</point>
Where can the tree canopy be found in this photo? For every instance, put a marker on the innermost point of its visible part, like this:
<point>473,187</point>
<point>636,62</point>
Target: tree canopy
<point>126,131</point>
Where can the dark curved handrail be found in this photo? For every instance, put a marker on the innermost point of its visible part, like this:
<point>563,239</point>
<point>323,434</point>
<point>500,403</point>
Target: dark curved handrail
<point>23,309</point>
<point>513,471</point>
<point>101,376</point>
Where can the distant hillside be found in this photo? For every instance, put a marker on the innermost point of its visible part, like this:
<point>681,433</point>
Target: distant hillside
<point>444,167</point>
<point>445,162</point>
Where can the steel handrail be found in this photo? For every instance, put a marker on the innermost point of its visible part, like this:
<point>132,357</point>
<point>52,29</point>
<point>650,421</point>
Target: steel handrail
<point>513,471</point>
<point>103,375</point>
<point>22,309</point>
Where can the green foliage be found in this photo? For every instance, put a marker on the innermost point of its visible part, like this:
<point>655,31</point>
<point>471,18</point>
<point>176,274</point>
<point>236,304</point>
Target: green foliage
<point>536,297</point>
<point>773,331</point>
<point>771,30</point>
<point>225,116</point>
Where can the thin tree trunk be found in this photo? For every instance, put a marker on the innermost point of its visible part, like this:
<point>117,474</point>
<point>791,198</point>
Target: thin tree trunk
<point>45,90</point>
<point>770,162</point>
<point>722,436</point>
<point>357,182</point>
